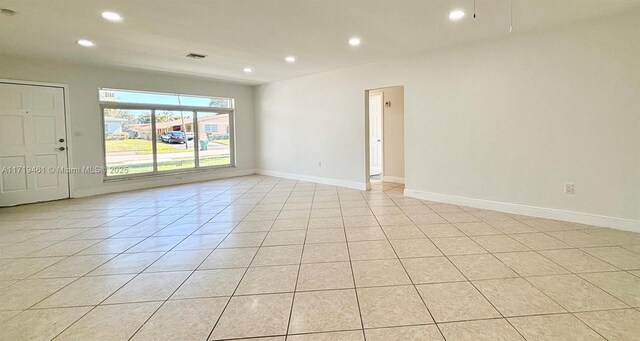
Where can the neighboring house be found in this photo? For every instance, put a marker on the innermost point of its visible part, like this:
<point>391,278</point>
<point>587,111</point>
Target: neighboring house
<point>113,125</point>
<point>216,125</point>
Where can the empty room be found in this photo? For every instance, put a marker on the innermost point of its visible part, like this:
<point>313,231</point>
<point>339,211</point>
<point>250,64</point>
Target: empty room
<point>320,170</point>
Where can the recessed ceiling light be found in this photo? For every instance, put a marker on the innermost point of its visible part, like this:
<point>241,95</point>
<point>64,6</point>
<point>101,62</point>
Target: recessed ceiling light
<point>112,16</point>
<point>456,14</point>
<point>290,59</point>
<point>355,41</point>
<point>247,70</point>
<point>85,43</point>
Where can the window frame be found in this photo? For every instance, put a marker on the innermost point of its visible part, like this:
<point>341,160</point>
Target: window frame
<point>169,107</point>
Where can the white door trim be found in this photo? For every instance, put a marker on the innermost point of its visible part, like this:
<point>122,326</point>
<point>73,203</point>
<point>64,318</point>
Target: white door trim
<point>67,120</point>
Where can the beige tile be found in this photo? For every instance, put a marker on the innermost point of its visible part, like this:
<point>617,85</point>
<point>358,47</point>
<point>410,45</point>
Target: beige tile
<point>325,236</point>
<point>325,223</point>
<point>127,263</point>
<point>483,330</point>
<point>614,325</point>
<point>392,306</point>
<point>353,335</point>
<point>459,217</point>
<point>200,242</point>
<point>540,241</point>
<point>403,232</point>
<point>229,258</point>
<point>278,255</point>
<point>8,314</point>
<point>369,273</point>
<point>85,291</point>
<point>64,248</point>
<point>416,333</point>
<point>253,226</point>
<point>323,276</point>
<point>25,267</point>
<point>458,246</point>
<point>74,266</point>
<point>512,227</point>
<point>360,221</point>
<point>477,229</point>
<point>456,302</point>
<point>156,244</point>
<point>427,218</point>
<point>28,292</point>
<point>499,243</point>
<point>320,311</point>
<point>110,322</point>
<point>377,249</point>
<point>183,320</point>
<point>577,261</point>
<point>294,237</point>
<point>547,225</point>
<point>267,280</point>
<point>431,270</point>
<point>41,324</point>
<point>440,230</point>
<point>149,287</point>
<point>179,261</point>
<point>252,316</point>
<point>516,297</point>
<point>530,264</point>
<point>579,238</point>
<point>575,294</point>
<point>326,252</point>
<point>290,224</point>
<point>406,248</point>
<point>554,327</point>
<point>210,283</point>
<point>621,285</point>
<point>617,256</point>
<point>355,234</point>
<point>484,266</point>
<point>236,240</point>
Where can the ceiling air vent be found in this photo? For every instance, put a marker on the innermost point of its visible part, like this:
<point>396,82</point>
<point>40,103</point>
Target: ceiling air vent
<point>196,56</point>
<point>7,11</point>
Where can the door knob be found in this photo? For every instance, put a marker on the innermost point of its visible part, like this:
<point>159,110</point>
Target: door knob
<point>61,148</point>
<point>61,140</point>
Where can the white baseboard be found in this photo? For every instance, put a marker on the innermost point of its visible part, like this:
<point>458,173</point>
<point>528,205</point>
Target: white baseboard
<point>540,212</point>
<point>327,181</point>
<point>394,179</point>
<point>152,182</point>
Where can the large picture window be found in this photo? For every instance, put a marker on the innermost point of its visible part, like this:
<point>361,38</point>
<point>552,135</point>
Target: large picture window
<point>150,133</point>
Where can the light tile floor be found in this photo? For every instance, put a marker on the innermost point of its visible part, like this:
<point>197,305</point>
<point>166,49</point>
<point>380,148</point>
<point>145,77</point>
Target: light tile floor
<point>262,257</point>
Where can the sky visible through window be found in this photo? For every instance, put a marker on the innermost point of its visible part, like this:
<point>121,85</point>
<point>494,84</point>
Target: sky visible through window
<point>126,96</point>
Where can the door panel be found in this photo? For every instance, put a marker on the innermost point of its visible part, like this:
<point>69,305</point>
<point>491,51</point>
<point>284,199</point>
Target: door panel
<point>375,132</point>
<point>31,124</point>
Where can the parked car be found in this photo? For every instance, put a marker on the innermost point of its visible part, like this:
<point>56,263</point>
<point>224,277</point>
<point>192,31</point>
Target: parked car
<point>173,137</point>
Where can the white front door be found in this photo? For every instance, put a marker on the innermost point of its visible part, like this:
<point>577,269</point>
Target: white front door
<point>33,155</point>
<point>375,132</point>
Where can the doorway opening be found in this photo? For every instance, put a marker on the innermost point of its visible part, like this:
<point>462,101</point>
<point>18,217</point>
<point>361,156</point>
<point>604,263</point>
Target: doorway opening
<point>384,127</point>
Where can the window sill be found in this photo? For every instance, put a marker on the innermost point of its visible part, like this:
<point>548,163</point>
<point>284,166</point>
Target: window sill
<point>143,176</point>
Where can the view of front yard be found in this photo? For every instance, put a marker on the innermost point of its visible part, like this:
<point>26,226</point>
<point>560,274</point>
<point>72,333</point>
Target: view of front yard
<point>142,147</point>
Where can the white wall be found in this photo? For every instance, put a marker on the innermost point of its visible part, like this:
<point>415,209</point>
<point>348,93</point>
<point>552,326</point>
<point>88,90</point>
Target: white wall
<point>507,121</point>
<point>86,132</point>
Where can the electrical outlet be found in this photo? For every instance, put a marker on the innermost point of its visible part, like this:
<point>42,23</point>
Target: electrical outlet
<point>569,189</point>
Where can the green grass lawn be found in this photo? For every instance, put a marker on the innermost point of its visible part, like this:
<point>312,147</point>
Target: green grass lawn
<point>143,147</point>
<point>140,147</point>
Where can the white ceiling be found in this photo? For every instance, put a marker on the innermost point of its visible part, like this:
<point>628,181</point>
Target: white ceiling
<point>157,34</point>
